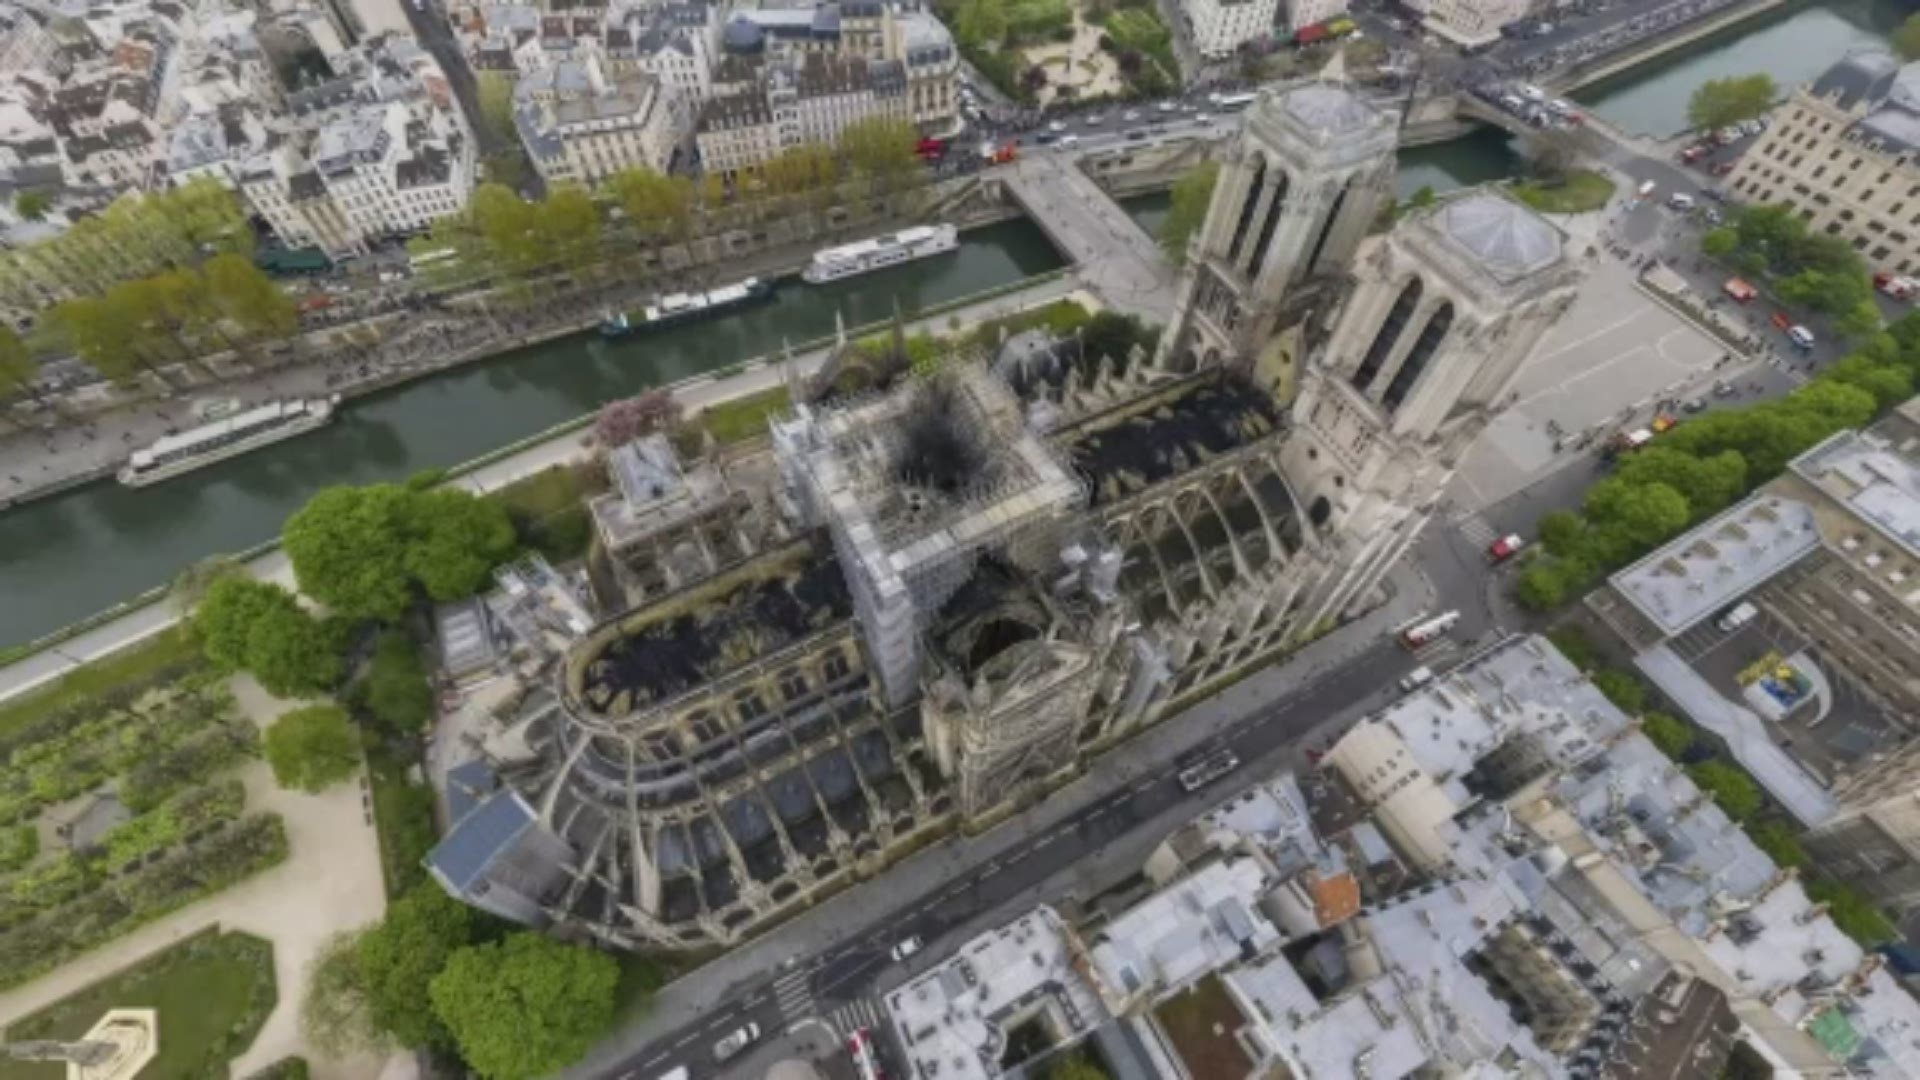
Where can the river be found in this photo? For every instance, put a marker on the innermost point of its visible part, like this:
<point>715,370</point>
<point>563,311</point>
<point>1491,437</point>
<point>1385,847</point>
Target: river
<point>79,552</point>
<point>1793,45</point>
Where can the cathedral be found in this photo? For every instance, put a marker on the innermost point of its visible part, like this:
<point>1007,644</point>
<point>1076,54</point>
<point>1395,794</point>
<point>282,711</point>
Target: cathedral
<point>927,603</point>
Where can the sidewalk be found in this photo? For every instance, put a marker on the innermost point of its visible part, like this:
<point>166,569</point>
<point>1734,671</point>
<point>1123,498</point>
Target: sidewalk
<point>849,914</point>
<point>694,394</point>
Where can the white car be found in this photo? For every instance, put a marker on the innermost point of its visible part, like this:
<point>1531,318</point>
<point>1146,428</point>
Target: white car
<point>906,948</point>
<point>1056,127</point>
<point>735,1041</point>
<point>1095,119</point>
<point>1417,678</point>
<point>1166,106</point>
<point>1069,140</point>
<point>1130,116</point>
<point>1203,118</point>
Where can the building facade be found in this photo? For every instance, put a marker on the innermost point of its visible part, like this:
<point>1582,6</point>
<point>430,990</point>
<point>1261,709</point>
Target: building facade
<point>1469,23</point>
<point>582,125</point>
<point>1840,153</point>
<point>1220,27</point>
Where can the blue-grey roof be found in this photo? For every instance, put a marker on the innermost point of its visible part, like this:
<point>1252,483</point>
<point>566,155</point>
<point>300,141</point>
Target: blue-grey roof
<point>483,835</point>
<point>1861,75</point>
<point>1508,240</point>
<point>466,785</point>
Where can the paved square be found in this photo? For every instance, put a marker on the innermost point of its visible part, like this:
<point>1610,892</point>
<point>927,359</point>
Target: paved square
<point>1614,350</point>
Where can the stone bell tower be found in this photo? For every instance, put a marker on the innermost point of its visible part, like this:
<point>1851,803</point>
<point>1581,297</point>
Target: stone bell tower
<point>1313,167</point>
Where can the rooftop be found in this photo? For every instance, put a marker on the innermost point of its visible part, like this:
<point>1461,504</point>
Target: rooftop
<point>1194,926</point>
<point>662,650</point>
<point>1718,561</point>
<point>1507,240</point>
<point>1170,435</point>
<point>952,1018</point>
<point>1879,483</point>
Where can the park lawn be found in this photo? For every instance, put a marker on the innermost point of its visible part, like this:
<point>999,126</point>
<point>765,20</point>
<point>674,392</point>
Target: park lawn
<point>1581,191</point>
<point>743,418</point>
<point>549,508</point>
<point>146,662</point>
<point>213,991</point>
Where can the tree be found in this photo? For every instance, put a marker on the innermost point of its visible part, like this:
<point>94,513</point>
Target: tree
<point>19,371</point>
<point>1708,484</point>
<point>396,691</point>
<point>336,1015</point>
<point>244,294</point>
<point>509,225</point>
<point>312,749</point>
<point>348,549</point>
<point>525,1006</point>
<point>981,22</point>
<point>1645,513</point>
<point>400,956</point>
<point>1854,914</point>
<point>1672,736</point>
<point>101,335</point>
<point>881,148</point>
<point>454,540</point>
<point>1888,384</point>
<point>1728,786</point>
<point>1779,842</point>
<point>1627,693</point>
<point>1721,242</point>
<point>799,170</point>
<point>1720,102</point>
<point>1187,211</point>
<point>244,624</point>
<point>1112,334</point>
<point>1906,38</point>
<point>623,420</point>
<point>32,205</point>
<point>1550,156</point>
<point>571,224</point>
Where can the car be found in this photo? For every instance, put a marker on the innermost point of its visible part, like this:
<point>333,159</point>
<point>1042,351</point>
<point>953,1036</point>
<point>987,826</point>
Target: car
<point>1203,118</point>
<point>1694,405</point>
<point>1710,215</point>
<point>1801,337</point>
<point>1417,678</point>
<point>1723,388</point>
<point>1130,116</point>
<point>907,947</point>
<point>1095,119</point>
<point>1505,548</point>
<point>1738,616</point>
<point>1046,138</point>
<point>1723,168</point>
<point>1069,140</point>
<point>1532,92</point>
<point>1750,127</point>
<point>1136,136</point>
<point>1056,127</point>
<point>1680,200</point>
<point>1694,153</point>
<point>1727,134</point>
<point>1664,423</point>
<point>1166,106</point>
<point>735,1041</point>
<point>1512,103</point>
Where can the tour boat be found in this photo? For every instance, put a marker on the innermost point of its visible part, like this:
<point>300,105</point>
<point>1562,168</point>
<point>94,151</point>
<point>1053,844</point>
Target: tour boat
<point>235,433</point>
<point>679,307</point>
<point>880,252</point>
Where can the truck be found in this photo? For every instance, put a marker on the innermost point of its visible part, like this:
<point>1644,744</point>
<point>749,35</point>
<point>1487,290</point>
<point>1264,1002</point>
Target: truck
<point>1626,442</point>
<point>1900,288</point>
<point>996,153</point>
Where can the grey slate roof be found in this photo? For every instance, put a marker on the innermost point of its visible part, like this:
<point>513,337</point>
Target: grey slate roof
<point>1506,239</point>
<point>476,840</point>
<point>1862,74</point>
<point>1330,109</point>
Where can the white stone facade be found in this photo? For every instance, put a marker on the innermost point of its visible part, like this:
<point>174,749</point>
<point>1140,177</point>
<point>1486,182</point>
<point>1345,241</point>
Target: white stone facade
<point>1221,26</point>
<point>1471,22</point>
<point>580,125</point>
<point>1304,13</point>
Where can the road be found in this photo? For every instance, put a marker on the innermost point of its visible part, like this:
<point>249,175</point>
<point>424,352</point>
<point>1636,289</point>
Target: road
<point>1082,840</point>
<point>430,27</point>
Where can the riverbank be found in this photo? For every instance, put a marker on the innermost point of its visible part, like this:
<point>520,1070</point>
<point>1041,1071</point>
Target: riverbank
<point>50,657</point>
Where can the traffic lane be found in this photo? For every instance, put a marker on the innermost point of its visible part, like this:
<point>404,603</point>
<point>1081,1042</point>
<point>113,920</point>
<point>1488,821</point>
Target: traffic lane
<point>1350,688</point>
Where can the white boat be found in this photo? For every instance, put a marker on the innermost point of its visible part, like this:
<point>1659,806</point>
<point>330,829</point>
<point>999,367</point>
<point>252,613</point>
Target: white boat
<point>227,437</point>
<point>880,252</point>
<point>678,307</point>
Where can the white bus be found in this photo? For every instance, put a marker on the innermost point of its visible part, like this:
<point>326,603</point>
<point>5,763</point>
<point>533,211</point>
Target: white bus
<point>1232,102</point>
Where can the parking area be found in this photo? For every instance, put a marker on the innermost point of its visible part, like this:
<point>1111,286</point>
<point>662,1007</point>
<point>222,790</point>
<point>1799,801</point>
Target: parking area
<point>1612,356</point>
<point>1830,732</point>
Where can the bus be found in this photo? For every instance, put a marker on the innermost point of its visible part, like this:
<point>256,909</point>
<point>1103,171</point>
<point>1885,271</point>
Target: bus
<point>443,257</point>
<point>1426,631</point>
<point>1208,769</point>
<point>1232,102</point>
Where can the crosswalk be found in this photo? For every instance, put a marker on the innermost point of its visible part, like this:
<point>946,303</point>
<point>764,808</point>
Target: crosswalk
<point>1477,531</point>
<point>1437,653</point>
<point>794,993</point>
<point>851,1017</point>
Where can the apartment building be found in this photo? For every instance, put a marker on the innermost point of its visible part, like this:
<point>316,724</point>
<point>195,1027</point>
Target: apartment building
<point>1469,23</point>
<point>1840,151</point>
<point>582,125</point>
<point>1301,14</point>
<point>1219,27</point>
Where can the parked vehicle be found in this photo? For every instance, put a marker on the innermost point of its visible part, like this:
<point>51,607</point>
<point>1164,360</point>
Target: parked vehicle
<point>1900,288</point>
<point>1801,337</point>
<point>1426,631</point>
<point>1417,678</point>
<point>1505,548</point>
<point>1738,616</point>
<point>1680,200</point>
<point>735,1041</point>
<point>907,947</point>
<point>1740,290</point>
<point>1208,769</point>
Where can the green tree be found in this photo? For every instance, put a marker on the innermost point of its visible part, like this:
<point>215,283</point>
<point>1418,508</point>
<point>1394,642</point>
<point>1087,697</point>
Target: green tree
<point>1187,211</point>
<point>882,149</point>
<point>654,204</point>
<point>571,224</point>
<point>244,294</point>
<point>395,691</point>
<point>1646,513</point>
<point>454,541</point>
<point>32,205</point>
<point>1780,843</point>
<point>1906,38</point>
<point>525,1006</point>
<point>401,954</point>
<point>1720,102</point>
<point>1721,242</point>
<point>348,549</point>
<point>336,1014</point>
<point>1708,484</point>
<point>103,336</point>
<point>19,371</point>
<point>312,749</point>
<point>1729,786</point>
<point>244,624</point>
<point>1672,736</point>
<point>982,22</point>
<point>1854,914</point>
<point>1626,692</point>
<point>799,170</point>
<point>1888,384</point>
<point>510,225</point>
